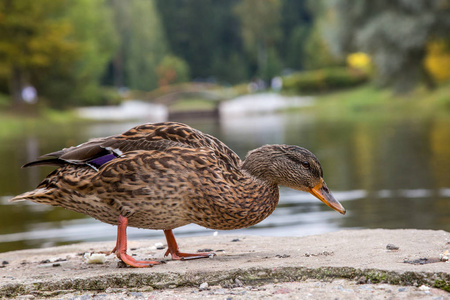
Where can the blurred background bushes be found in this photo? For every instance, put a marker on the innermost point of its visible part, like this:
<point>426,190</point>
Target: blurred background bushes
<point>324,80</point>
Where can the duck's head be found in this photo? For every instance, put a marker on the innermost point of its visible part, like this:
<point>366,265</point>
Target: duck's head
<point>291,166</point>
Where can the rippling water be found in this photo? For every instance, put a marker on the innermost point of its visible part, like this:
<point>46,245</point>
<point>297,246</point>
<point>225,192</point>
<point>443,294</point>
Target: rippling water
<point>387,172</point>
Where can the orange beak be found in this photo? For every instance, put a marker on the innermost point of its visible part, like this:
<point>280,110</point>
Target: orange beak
<point>322,192</point>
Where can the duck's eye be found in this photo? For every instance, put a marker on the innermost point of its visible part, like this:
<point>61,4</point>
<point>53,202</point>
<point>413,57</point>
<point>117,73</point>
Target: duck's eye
<point>305,164</point>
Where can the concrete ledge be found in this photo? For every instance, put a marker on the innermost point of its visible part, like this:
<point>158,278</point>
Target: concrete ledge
<point>357,255</point>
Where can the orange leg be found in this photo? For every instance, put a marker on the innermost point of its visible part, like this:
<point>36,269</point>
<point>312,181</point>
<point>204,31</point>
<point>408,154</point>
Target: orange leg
<point>176,254</point>
<point>121,247</point>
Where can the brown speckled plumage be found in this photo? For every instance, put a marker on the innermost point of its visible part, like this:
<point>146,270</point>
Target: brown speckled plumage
<point>166,175</point>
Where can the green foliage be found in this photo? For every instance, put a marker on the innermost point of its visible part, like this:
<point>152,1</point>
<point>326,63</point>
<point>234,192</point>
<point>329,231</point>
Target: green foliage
<point>296,48</point>
<point>272,66</point>
<point>323,80</point>
<point>206,34</point>
<point>97,46</point>
<point>95,49</point>
<point>52,45</point>
<point>4,101</point>
<point>232,41</point>
<point>317,51</point>
<point>142,44</point>
<point>296,24</point>
<point>172,70</point>
<point>260,22</point>
<point>260,27</point>
<point>33,35</point>
<point>233,68</point>
<point>394,32</point>
<point>145,47</point>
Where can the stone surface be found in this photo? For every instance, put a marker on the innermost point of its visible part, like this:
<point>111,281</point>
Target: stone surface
<point>344,264</point>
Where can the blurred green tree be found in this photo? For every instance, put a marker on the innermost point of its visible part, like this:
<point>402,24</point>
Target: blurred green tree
<point>231,67</point>
<point>98,41</point>
<point>172,70</point>
<point>60,47</point>
<point>143,44</point>
<point>206,34</point>
<point>394,32</point>
<point>33,36</point>
<point>78,82</point>
<point>316,51</point>
<point>296,25</point>
<point>261,31</point>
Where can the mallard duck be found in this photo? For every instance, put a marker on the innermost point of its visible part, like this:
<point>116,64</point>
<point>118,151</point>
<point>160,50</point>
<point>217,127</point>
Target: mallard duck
<point>166,175</point>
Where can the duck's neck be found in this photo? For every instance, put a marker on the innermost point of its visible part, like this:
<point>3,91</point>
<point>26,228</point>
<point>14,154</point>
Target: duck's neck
<point>246,201</point>
<point>259,164</point>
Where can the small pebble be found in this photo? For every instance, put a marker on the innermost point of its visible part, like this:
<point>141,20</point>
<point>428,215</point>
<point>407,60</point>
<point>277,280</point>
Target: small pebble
<point>391,247</point>
<point>45,261</point>
<point>444,256</point>
<point>235,240</point>
<point>420,261</point>
<point>205,250</point>
<point>61,259</point>
<point>204,286</point>
<point>56,265</point>
<point>424,288</point>
<point>159,246</point>
<point>282,256</point>
<point>5,262</point>
<point>238,282</point>
<point>121,264</point>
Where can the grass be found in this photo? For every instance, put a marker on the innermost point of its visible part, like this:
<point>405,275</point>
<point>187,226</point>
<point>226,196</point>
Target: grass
<point>365,100</point>
<point>193,104</point>
<point>13,121</point>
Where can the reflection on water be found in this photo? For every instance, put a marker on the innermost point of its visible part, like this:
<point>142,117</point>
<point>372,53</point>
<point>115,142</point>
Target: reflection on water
<point>388,173</point>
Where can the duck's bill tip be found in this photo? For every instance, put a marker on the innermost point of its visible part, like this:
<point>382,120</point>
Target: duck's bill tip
<point>321,192</point>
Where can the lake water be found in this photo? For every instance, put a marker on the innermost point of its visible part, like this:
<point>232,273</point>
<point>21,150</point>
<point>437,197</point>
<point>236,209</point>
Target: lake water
<point>388,172</point>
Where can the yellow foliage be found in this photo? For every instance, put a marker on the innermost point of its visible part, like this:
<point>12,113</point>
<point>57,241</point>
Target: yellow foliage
<point>360,61</point>
<point>437,61</point>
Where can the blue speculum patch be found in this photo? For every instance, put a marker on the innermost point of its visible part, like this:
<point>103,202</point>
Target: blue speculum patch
<point>99,161</point>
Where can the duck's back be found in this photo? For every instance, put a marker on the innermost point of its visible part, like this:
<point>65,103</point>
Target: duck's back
<point>156,136</point>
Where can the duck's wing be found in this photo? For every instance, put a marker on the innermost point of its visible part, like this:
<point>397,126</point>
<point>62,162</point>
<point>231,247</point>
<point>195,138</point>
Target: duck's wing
<point>157,136</point>
<point>160,136</point>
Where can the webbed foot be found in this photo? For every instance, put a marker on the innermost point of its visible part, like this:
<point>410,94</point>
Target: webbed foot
<point>176,254</point>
